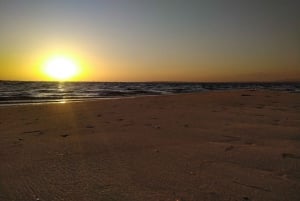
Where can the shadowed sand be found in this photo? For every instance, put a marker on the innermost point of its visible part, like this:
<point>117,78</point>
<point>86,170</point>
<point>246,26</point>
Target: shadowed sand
<point>234,145</point>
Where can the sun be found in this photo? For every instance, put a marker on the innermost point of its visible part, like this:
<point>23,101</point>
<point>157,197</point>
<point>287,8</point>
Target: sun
<point>61,68</point>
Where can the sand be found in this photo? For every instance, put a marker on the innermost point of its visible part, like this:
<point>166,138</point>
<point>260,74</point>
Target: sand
<point>233,145</point>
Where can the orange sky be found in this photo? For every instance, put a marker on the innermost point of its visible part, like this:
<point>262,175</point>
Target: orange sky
<point>154,41</point>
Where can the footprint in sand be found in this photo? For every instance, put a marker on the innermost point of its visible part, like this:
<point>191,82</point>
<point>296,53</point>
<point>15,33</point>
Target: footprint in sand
<point>289,155</point>
<point>35,132</point>
<point>229,148</point>
<point>89,126</point>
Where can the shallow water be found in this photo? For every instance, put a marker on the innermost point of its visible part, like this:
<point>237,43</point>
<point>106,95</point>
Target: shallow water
<point>12,92</point>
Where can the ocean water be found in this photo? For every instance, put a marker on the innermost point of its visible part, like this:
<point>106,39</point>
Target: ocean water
<point>12,92</point>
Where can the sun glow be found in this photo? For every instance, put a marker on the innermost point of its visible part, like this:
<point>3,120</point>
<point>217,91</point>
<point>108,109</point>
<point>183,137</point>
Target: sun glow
<point>61,68</point>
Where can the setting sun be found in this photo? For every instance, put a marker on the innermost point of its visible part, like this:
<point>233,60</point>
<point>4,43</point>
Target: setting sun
<point>61,68</point>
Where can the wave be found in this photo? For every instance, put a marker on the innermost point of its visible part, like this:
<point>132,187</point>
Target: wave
<point>11,91</point>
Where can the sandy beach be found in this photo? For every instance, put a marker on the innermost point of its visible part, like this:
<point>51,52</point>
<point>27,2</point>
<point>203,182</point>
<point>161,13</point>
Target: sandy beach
<point>227,145</point>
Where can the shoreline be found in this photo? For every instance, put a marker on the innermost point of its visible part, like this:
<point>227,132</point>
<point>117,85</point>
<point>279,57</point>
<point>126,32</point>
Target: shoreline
<point>65,101</point>
<point>40,92</point>
<point>217,145</point>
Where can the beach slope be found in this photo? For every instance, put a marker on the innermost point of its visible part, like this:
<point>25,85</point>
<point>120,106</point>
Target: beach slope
<point>226,145</point>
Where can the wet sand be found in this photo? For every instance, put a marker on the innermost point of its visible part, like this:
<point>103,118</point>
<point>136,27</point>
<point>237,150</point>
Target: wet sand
<point>234,145</point>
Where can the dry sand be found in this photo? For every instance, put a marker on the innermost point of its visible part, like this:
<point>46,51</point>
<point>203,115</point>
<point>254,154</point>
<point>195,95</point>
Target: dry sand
<point>234,145</point>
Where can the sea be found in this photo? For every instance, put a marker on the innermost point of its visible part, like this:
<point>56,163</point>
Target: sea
<point>17,92</point>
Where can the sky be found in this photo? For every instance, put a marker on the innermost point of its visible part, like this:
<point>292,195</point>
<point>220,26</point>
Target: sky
<point>154,40</point>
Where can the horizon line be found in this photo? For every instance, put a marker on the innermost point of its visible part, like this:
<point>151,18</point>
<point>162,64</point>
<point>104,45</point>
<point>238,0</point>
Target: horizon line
<point>275,81</point>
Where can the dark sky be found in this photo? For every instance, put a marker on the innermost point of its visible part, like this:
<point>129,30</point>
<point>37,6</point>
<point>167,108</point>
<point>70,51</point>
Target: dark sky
<point>153,40</point>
